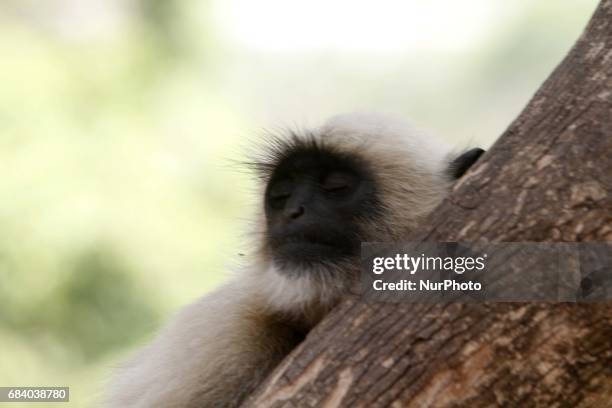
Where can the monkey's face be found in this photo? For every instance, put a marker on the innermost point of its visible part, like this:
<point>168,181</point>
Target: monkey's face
<point>315,204</point>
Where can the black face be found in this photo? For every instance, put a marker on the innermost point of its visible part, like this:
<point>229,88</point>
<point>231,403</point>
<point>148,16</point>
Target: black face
<point>315,203</point>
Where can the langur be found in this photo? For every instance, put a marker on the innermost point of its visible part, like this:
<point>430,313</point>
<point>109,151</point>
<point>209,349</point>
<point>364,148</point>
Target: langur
<point>357,178</point>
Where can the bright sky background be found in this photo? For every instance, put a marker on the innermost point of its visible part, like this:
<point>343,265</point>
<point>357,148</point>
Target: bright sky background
<point>382,26</point>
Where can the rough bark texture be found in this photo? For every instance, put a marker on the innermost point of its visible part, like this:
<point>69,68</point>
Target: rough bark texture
<point>548,178</point>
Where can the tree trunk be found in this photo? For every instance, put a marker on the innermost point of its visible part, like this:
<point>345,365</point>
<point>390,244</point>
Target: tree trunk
<point>548,178</point>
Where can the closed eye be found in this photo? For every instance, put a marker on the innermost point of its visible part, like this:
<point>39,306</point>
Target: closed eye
<point>281,190</point>
<point>280,195</point>
<point>337,187</point>
<point>338,182</point>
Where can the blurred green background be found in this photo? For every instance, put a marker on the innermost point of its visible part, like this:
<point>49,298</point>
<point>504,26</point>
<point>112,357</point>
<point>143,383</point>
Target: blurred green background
<point>120,119</point>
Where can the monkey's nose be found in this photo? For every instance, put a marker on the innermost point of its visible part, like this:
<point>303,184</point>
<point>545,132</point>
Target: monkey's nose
<point>295,212</point>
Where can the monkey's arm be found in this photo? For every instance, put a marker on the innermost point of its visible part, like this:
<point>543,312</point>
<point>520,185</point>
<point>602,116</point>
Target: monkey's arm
<point>212,354</point>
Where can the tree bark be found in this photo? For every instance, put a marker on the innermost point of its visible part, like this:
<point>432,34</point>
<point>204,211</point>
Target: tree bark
<point>548,178</point>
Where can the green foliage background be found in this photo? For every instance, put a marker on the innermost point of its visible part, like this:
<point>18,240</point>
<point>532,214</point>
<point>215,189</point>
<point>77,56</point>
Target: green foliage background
<point>118,199</point>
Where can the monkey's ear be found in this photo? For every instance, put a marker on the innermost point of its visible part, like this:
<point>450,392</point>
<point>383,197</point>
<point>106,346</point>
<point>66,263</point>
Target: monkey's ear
<point>461,164</point>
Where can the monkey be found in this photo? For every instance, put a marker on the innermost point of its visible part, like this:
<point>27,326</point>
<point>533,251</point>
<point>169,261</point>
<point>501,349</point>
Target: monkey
<point>358,177</point>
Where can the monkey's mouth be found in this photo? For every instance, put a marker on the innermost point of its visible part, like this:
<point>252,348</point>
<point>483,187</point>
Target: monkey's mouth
<point>307,249</point>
